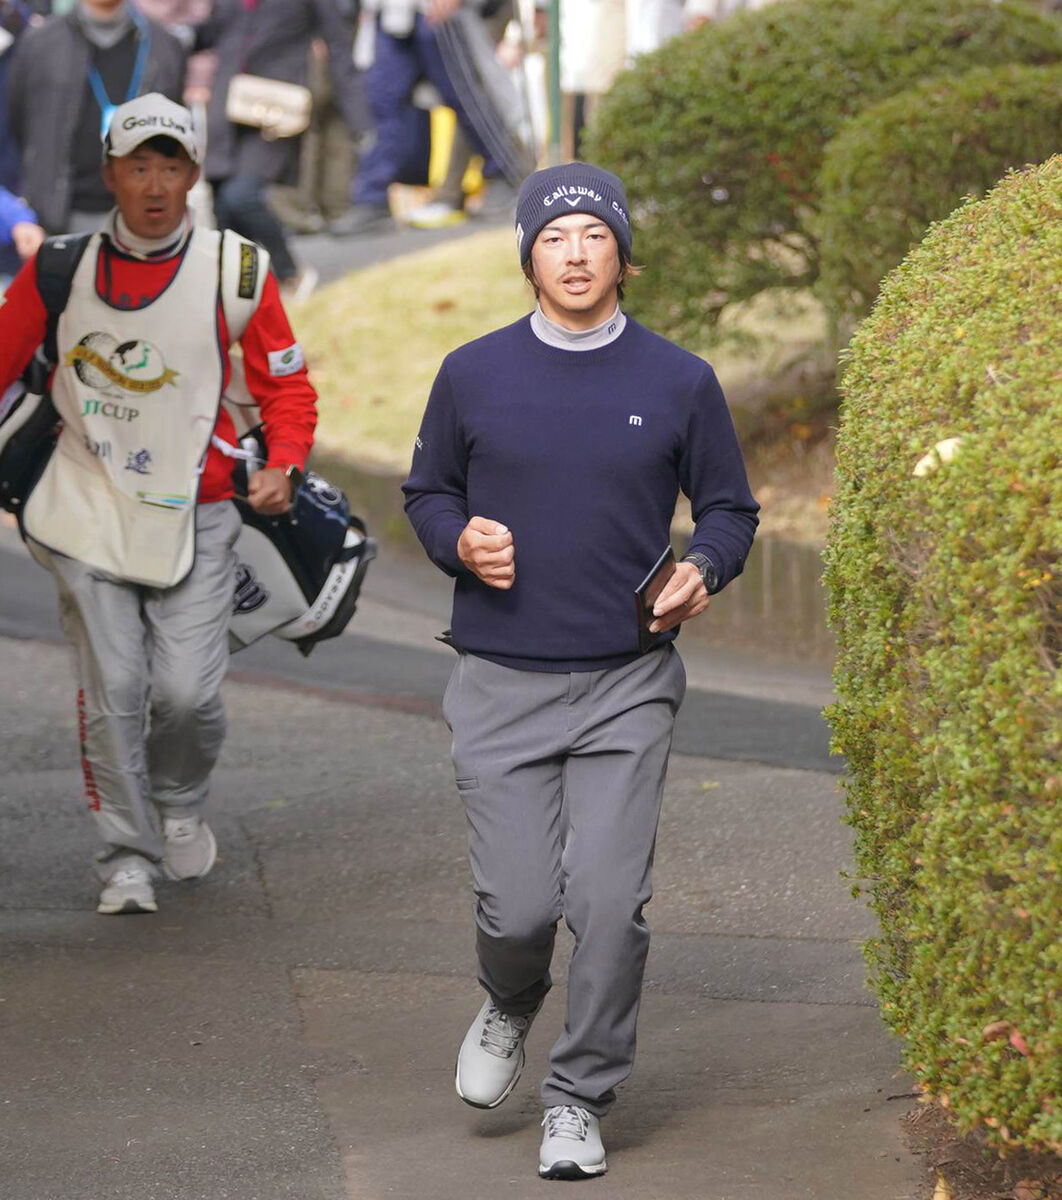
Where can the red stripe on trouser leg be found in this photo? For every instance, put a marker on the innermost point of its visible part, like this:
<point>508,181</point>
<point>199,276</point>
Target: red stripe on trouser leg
<point>91,791</point>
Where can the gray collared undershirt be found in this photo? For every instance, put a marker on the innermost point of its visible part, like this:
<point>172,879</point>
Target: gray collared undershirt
<point>577,339</point>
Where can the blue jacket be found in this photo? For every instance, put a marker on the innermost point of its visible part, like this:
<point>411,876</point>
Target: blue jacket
<point>12,212</point>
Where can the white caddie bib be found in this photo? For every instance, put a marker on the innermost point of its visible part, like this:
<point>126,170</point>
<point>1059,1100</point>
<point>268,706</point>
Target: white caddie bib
<point>138,392</point>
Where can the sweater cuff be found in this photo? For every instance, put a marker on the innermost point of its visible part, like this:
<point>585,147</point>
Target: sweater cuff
<point>444,551</point>
<point>723,571</point>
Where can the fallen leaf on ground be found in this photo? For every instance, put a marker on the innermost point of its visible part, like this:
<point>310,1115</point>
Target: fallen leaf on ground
<point>1030,1189</point>
<point>942,1191</point>
<point>1019,1043</point>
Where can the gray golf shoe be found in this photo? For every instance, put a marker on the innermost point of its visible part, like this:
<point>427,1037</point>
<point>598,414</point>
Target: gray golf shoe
<point>571,1144</point>
<point>491,1056</point>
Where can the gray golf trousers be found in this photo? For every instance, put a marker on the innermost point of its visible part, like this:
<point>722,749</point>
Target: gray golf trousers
<point>561,777</point>
<point>149,664</point>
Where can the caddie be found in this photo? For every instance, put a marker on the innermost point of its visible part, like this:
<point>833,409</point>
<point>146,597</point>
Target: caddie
<point>544,480</point>
<point>133,511</point>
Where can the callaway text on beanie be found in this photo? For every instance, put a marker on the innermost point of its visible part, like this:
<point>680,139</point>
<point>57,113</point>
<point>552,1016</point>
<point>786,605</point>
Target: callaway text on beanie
<point>575,187</point>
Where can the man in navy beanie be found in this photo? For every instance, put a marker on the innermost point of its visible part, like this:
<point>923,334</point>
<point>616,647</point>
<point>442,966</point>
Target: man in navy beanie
<point>544,481</point>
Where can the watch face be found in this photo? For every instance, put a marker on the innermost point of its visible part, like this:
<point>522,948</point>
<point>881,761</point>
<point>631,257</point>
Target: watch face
<point>708,573</point>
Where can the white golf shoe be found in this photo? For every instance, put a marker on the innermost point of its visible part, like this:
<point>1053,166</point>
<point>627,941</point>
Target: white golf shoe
<point>128,890</point>
<point>190,848</point>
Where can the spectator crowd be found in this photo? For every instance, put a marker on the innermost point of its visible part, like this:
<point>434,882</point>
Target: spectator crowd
<point>311,110</point>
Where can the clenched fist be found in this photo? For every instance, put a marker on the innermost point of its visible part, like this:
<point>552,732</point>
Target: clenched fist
<point>486,549</point>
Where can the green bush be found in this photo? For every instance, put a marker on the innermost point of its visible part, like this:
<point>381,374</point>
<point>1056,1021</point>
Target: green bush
<point>719,135</point>
<point>946,597</point>
<point>908,161</point>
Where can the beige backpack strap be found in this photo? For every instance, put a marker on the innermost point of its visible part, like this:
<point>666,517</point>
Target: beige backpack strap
<point>244,266</point>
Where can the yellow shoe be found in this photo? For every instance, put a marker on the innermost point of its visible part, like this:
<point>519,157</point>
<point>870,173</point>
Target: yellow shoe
<point>436,215</point>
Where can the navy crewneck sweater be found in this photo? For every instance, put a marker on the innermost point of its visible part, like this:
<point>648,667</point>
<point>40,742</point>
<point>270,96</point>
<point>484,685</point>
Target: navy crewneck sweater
<point>582,456</point>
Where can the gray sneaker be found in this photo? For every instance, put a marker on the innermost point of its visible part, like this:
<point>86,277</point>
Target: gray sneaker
<point>491,1056</point>
<point>190,848</point>
<point>571,1144</point>
<point>128,890</point>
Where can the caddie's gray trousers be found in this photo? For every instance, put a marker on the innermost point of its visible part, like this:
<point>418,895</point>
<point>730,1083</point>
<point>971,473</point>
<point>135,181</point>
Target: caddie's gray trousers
<point>562,776</point>
<point>149,664</point>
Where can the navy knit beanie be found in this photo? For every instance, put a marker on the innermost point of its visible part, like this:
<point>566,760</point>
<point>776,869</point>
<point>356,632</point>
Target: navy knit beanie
<point>575,187</point>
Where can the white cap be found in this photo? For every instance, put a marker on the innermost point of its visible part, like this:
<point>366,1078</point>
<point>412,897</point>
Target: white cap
<point>146,117</point>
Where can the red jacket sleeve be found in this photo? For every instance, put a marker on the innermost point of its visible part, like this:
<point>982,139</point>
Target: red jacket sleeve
<point>276,377</point>
<point>23,323</point>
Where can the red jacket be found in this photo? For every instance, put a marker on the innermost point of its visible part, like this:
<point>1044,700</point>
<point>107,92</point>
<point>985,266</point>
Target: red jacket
<point>287,402</point>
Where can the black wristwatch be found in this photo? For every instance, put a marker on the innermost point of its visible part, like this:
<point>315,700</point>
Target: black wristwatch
<point>295,477</point>
<point>707,568</point>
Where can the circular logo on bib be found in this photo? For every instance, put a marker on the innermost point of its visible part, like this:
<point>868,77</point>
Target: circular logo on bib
<point>101,346</point>
<point>103,363</point>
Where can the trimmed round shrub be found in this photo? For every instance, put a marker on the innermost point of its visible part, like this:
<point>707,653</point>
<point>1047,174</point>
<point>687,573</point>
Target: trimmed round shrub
<point>719,135</point>
<point>908,161</point>
<point>945,575</point>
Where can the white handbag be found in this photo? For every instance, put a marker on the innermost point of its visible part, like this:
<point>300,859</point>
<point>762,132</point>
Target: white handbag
<point>278,109</point>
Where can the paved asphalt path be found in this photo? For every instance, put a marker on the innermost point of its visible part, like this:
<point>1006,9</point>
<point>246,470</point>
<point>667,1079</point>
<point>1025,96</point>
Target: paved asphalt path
<point>286,1027</point>
<point>411,678</point>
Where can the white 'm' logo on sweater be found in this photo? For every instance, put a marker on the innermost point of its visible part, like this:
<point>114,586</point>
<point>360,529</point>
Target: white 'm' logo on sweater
<point>633,420</point>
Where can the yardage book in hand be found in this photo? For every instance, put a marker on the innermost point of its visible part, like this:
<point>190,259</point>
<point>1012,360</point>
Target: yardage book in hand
<point>645,595</point>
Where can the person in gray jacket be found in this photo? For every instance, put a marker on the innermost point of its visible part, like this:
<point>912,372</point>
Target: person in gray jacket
<point>271,38</point>
<point>67,77</point>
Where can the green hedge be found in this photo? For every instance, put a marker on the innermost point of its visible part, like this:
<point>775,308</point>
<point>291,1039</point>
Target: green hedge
<point>946,596</point>
<point>909,160</point>
<point>719,135</point>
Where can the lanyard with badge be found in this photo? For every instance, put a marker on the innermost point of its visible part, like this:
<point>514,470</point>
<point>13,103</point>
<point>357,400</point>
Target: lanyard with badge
<point>143,46</point>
